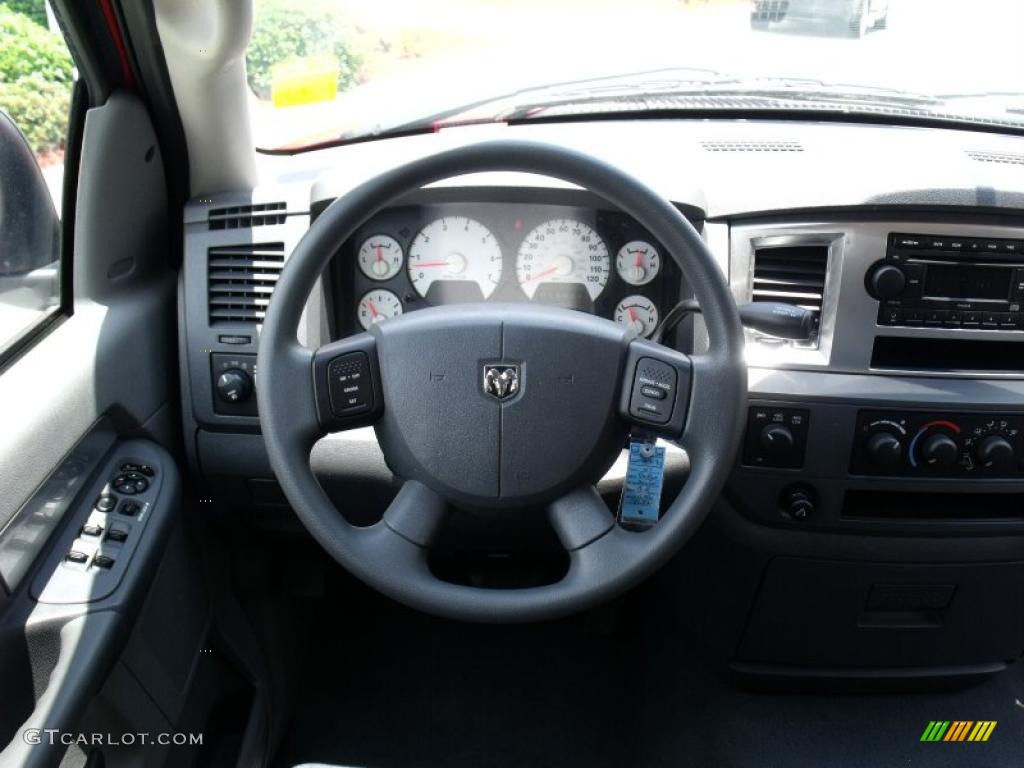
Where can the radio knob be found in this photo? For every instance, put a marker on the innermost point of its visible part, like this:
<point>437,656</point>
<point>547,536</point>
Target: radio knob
<point>940,451</point>
<point>995,452</point>
<point>884,449</point>
<point>887,281</point>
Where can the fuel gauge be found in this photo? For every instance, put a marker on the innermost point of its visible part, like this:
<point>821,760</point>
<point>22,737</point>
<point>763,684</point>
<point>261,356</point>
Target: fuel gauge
<point>638,262</point>
<point>380,257</point>
<point>639,313</point>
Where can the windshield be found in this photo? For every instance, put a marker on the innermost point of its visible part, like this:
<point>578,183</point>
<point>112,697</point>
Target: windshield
<point>323,70</point>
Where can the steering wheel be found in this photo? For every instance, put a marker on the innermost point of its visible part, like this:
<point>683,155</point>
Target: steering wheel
<point>501,405</point>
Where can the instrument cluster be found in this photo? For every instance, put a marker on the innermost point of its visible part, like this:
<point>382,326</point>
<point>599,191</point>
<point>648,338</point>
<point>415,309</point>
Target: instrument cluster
<point>598,261</point>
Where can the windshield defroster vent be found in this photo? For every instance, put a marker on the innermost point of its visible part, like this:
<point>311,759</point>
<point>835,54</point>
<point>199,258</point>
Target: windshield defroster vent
<point>793,274</point>
<point>241,279</point>
<point>1003,158</point>
<point>246,216</point>
<point>781,145</point>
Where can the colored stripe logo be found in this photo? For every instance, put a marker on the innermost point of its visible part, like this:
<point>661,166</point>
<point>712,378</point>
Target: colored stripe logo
<point>959,730</point>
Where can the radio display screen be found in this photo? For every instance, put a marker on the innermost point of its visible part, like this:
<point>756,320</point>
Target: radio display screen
<point>962,281</point>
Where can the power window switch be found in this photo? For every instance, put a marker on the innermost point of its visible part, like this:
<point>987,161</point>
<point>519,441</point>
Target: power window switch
<point>117,534</point>
<point>92,529</point>
<point>76,556</point>
<point>103,561</point>
<point>130,508</point>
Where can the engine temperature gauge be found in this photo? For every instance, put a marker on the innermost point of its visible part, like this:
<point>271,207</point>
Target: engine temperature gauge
<point>637,262</point>
<point>380,257</point>
<point>639,313</point>
<point>377,306</point>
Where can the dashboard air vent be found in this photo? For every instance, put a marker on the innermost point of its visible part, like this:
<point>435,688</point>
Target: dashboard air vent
<point>246,216</point>
<point>1003,158</point>
<point>793,274</point>
<point>241,279</point>
<point>752,146</point>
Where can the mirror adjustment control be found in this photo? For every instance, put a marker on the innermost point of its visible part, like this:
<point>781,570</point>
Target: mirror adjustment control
<point>106,503</point>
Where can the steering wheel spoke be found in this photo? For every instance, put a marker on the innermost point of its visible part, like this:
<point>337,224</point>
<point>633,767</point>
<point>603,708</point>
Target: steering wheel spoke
<point>347,383</point>
<point>580,517</point>
<point>416,514</point>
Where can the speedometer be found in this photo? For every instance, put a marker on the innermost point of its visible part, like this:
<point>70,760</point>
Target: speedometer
<point>563,251</point>
<point>455,251</point>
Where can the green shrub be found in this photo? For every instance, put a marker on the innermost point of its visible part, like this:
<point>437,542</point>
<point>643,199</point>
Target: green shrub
<point>31,49</point>
<point>283,33</point>
<point>34,9</point>
<point>39,109</point>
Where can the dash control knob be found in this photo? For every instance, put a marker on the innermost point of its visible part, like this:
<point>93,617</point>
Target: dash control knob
<point>884,449</point>
<point>939,451</point>
<point>887,281</point>
<point>777,440</point>
<point>995,452</point>
<point>234,386</point>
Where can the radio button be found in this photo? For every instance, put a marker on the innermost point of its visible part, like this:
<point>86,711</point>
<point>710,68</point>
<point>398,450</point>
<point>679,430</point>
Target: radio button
<point>935,317</point>
<point>990,319</point>
<point>935,244</point>
<point>971,319</point>
<point>1012,246</point>
<point>891,316</point>
<point>1006,321</point>
<point>908,241</point>
<point>1017,291</point>
<point>955,245</point>
<point>991,246</point>
<point>913,316</point>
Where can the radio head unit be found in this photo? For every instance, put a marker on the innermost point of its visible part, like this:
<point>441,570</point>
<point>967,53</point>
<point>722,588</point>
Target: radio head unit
<point>951,282</point>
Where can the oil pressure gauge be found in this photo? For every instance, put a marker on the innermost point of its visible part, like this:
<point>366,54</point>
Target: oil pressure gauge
<point>380,257</point>
<point>638,262</point>
<point>639,313</point>
<point>377,306</point>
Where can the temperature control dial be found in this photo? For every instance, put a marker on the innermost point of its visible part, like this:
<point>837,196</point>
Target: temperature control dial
<point>884,449</point>
<point>939,451</point>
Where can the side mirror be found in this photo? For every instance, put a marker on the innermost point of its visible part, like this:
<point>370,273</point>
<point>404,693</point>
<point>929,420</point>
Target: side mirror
<point>29,228</point>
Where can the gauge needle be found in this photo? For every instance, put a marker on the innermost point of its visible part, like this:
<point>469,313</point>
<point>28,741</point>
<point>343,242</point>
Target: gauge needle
<point>380,253</point>
<point>632,314</point>
<point>431,264</point>
<point>539,275</point>
<point>373,308</point>
<point>639,258</point>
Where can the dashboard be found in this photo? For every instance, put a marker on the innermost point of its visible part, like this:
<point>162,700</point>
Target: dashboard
<point>874,518</point>
<point>593,260</point>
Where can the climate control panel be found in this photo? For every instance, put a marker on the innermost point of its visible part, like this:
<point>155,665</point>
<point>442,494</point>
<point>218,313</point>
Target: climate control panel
<point>930,444</point>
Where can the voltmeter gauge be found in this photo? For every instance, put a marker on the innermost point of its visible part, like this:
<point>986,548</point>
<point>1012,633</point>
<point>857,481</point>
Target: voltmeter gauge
<point>380,257</point>
<point>639,313</point>
<point>377,306</point>
<point>638,262</point>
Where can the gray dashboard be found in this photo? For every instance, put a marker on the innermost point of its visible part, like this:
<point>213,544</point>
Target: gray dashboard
<point>826,191</point>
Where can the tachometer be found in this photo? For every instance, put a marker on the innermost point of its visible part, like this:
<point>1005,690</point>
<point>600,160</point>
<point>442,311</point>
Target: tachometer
<point>380,257</point>
<point>376,306</point>
<point>456,249</point>
<point>563,251</point>
<point>638,262</point>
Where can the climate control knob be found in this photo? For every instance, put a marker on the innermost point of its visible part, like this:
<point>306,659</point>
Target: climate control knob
<point>234,385</point>
<point>887,281</point>
<point>939,451</point>
<point>995,452</point>
<point>884,449</point>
